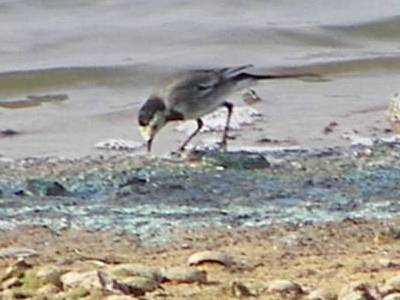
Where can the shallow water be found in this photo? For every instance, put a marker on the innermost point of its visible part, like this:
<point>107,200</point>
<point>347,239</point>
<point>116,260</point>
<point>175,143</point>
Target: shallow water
<point>107,55</point>
<point>151,197</point>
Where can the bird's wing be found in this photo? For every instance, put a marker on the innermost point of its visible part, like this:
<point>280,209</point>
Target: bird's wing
<point>194,86</point>
<point>230,72</point>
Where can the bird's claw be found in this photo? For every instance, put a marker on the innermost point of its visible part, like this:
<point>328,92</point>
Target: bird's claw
<point>222,145</point>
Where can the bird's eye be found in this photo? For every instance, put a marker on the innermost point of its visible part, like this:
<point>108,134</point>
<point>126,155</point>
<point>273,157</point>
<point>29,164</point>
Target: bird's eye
<point>143,120</point>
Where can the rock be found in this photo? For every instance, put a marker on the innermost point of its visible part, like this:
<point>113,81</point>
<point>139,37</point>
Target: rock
<point>297,165</point>
<point>184,275</point>
<point>391,285</point>
<point>358,140</point>
<point>87,280</point>
<point>8,132</point>
<point>17,252</point>
<point>130,270</point>
<point>17,294</point>
<point>17,270</point>
<point>395,296</point>
<point>119,297</point>
<point>50,274</point>
<point>48,289</point>
<point>145,284</point>
<point>353,295</point>
<point>239,290</point>
<point>357,291</point>
<point>250,97</point>
<point>387,263</point>
<point>135,286</point>
<point>321,294</point>
<point>217,257</point>
<point>11,283</point>
<point>75,293</point>
<point>44,187</point>
<point>285,286</point>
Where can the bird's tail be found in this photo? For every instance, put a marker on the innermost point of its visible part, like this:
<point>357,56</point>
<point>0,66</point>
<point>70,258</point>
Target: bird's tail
<point>231,72</point>
<point>302,76</point>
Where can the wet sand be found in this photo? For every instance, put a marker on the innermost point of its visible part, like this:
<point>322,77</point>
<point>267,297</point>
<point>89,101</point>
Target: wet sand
<point>107,57</point>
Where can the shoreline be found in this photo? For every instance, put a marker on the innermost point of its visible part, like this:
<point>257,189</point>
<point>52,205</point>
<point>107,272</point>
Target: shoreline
<point>322,220</point>
<point>206,189</point>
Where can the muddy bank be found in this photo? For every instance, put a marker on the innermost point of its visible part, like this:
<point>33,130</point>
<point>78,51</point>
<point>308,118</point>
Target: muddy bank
<point>151,196</point>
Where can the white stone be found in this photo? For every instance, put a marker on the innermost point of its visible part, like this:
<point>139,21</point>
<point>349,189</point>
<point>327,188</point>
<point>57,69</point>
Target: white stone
<point>219,257</point>
<point>129,270</point>
<point>321,294</point>
<point>395,296</point>
<point>285,286</point>
<point>17,252</point>
<point>358,140</point>
<point>184,275</point>
<point>87,280</point>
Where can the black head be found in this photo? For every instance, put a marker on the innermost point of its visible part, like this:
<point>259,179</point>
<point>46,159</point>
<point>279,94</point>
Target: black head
<point>152,117</point>
<point>149,110</point>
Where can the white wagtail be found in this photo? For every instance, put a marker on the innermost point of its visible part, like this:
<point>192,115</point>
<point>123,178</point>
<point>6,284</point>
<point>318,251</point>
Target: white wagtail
<point>194,94</point>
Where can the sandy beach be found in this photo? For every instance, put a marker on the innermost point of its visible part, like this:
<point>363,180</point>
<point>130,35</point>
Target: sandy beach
<point>347,258</point>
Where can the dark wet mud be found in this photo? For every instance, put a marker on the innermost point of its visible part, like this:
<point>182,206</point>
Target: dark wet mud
<point>150,196</point>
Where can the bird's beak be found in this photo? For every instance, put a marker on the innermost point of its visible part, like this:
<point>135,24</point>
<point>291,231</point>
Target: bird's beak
<point>147,134</point>
<point>149,142</point>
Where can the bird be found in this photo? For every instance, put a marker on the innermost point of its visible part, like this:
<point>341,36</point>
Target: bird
<point>192,94</point>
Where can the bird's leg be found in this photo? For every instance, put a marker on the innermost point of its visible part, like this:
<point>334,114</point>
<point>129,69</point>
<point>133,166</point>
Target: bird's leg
<point>229,106</point>
<point>199,126</point>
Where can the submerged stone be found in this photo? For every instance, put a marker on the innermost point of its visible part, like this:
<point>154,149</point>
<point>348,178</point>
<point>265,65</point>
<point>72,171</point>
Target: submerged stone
<point>43,187</point>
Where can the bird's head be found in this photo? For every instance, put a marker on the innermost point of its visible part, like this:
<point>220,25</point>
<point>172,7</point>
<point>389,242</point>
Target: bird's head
<point>152,117</point>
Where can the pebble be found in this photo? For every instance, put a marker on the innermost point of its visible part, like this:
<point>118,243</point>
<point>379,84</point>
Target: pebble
<point>17,270</point>
<point>239,290</point>
<point>48,289</point>
<point>356,291</point>
<point>387,263</point>
<point>391,285</point>
<point>296,165</point>
<point>217,257</point>
<point>119,297</point>
<point>50,274</point>
<point>142,283</point>
<point>321,294</point>
<point>129,270</point>
<point>395,296</point>
<point>11,283</point>
<point>87,280</point>
<point>285,286</point>
<point>17,252</point>
<point>184,275</point>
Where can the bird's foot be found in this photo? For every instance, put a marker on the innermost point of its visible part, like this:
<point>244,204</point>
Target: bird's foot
<point>222,146</point>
